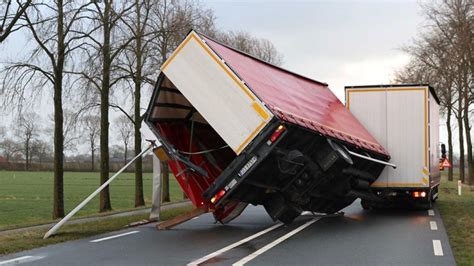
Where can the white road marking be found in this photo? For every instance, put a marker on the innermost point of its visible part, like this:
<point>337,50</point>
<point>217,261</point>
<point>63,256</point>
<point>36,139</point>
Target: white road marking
<point>438,249</point>
<point>274,243</point>
<point>229,247</point>
<point>431,212</point>
<point>433,225</point>
<point>112,237</point>
<point>195,218</point>
<point>20,260</point>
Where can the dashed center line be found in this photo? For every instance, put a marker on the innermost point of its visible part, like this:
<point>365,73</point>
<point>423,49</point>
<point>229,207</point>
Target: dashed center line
<point>433,225</point>
<point>274,243</point>
<point>431,212</point>
<point>112,237</point>
<point>437,248</point>
<point>20,260</point>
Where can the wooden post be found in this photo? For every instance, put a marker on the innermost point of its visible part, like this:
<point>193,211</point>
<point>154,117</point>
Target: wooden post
<point>182,218</point>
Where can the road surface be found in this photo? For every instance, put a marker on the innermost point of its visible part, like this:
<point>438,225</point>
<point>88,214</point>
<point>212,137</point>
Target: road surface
<point>357,238</point>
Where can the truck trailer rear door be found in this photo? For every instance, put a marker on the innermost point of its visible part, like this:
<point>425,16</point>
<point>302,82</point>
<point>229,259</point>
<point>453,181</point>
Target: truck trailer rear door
<point>216,92</point>
<point>398,118</point>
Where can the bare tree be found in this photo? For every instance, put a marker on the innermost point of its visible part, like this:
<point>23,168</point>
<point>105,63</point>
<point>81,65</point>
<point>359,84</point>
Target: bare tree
<point>172,20</point>
<point>454,20</point>
<point>28,127</point>
<point>54,28</point>
<point>106,41</point>
<point>40,150</point>
<point>258,47</point>
<point>9,16</point>
<point>9,148</point>
<point>91,127</point>
<point>136,62</point>
<point>125,129</point>
<point>443,56</point>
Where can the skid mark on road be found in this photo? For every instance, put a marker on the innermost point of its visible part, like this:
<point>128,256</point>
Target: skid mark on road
<point>115,236</point>
<point>231,246</point>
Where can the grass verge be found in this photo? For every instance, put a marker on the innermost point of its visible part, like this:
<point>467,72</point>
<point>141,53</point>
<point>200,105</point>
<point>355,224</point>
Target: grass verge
<point>458,217</point>
<point>26,198</point>
<point>16,242</point>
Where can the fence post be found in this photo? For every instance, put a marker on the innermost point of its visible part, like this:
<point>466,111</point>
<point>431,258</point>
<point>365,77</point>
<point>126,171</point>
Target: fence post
<point>459,187</point>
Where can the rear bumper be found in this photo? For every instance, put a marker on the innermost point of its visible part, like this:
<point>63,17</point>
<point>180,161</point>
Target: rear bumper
<point>253,155</point>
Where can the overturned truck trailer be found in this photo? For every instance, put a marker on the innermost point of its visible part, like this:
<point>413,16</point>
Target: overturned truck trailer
<point>240,131</point>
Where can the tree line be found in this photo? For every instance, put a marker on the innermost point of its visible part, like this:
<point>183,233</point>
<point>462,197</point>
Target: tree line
<point>94,56</point>
<point>28,142</point>
<point>443,56</point>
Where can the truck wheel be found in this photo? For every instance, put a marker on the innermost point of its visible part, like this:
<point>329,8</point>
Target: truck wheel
<point>365,205</point>
<point>289,216</point>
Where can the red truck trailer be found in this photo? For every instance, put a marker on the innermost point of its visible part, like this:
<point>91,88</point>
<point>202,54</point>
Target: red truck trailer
<point>238,131</point>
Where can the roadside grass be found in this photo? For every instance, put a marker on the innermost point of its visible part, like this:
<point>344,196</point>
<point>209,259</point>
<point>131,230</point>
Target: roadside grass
<point>458,218</point>
<point>16,242</point>
<point>26,198</point>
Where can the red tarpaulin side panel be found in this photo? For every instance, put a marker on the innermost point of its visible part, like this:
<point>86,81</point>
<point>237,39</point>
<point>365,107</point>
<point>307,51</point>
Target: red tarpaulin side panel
<point>297,99</point>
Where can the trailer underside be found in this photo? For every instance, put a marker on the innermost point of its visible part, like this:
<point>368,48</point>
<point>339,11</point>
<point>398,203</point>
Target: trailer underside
<point>299,171</point>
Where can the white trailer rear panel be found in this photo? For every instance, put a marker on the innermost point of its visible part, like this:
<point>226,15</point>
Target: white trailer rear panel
<point>405,120</point>
<point>216,92</point>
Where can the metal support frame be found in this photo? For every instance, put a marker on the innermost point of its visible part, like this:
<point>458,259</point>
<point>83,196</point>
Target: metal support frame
<point>370,158</point>
<point>57,226</point>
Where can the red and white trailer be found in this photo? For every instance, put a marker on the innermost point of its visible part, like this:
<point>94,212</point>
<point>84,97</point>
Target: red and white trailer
<point>238,130</point>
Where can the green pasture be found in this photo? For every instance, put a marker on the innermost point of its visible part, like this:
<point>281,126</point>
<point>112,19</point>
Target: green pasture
<point>26,198</point>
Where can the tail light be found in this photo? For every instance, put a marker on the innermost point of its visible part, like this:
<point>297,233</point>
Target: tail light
<point>218,196</point>
<point>277,133</point>
<point>419,194</point>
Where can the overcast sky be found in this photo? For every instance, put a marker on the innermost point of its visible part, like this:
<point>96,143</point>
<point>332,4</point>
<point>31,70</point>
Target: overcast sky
<point>337,42</point>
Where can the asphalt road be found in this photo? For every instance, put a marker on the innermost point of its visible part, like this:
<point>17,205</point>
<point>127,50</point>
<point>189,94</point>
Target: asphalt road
<point>392,237</point>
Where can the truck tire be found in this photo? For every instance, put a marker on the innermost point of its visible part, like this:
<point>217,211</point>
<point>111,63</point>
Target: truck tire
<point>289,216</point>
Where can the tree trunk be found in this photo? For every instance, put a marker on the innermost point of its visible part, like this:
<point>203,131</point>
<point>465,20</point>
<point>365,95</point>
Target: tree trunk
<point>92,157</point>
<point>467,128</point>
<point>139,198</point>
<point>27,154</point>
<point>58,184</point>
<point>166,183</point>
<point>125,155</point>
<point>450,143</point>
<point>105,204</point>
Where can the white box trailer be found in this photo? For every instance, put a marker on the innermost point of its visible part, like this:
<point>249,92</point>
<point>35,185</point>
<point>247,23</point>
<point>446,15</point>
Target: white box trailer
<point>405,121</point>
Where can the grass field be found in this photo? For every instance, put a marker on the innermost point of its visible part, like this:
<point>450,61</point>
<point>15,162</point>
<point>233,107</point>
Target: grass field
<point>458,217</point>
<point>26,198</point>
